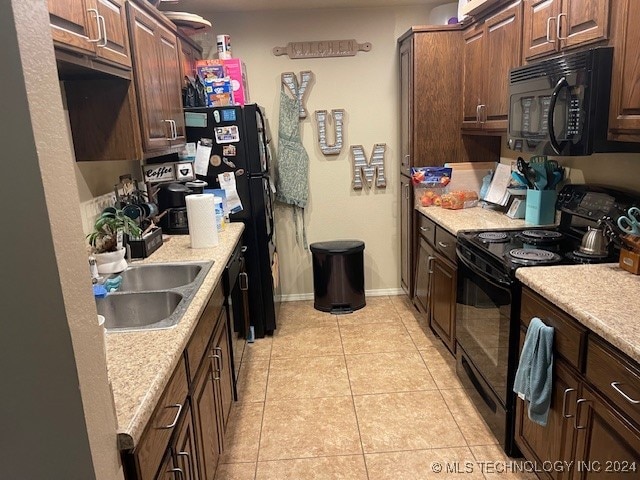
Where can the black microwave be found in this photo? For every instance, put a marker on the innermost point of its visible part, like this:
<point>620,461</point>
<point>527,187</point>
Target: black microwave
<point>560,106</point>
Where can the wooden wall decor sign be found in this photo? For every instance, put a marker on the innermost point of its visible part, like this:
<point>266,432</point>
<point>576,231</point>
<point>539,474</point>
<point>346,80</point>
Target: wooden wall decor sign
<point>321,118</point>
<point>322,49</point>
<point>290,80</point>
<point>370,169</point>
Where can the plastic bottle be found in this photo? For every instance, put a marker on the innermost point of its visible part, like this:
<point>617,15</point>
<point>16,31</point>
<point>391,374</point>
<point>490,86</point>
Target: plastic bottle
<point>217,202</point>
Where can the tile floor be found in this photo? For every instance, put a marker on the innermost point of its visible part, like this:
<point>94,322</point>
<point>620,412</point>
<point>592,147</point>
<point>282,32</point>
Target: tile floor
<point>367,395</point>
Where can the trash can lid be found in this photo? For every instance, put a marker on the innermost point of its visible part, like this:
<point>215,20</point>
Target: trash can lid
<point>338,246</point>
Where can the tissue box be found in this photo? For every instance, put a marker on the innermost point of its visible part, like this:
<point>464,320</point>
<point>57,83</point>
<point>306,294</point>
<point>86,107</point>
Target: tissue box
<point>541,207</point>
<point>237,73</point>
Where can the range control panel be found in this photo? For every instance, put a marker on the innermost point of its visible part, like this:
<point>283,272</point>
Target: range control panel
<point>594,202</point>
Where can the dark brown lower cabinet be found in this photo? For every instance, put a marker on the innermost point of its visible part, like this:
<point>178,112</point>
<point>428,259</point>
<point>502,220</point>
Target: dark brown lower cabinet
<point>553,442</point>
<point>225,375</point>
<point>443,300</point>
<point>424,272</point>
<point>608,443</point>
<point>179,461</point>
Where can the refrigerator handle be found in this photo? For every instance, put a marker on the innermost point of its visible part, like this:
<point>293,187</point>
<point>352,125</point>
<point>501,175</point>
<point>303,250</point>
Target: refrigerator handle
<point>264,140</point>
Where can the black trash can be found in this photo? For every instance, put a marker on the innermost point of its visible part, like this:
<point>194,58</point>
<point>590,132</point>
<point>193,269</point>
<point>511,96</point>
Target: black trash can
<point>338,276</point>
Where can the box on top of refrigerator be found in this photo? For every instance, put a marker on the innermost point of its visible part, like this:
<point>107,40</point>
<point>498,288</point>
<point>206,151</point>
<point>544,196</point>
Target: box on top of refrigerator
<point>237,73</point>
<point>210,69</point>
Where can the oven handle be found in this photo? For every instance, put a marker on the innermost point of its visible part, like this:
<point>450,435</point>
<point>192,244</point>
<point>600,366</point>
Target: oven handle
<point>562,83</point>
<point>496,282</point>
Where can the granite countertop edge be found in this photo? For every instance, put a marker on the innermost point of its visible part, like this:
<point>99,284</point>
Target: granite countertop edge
<point>140,364</point>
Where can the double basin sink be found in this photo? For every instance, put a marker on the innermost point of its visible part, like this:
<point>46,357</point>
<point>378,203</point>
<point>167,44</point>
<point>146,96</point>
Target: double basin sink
<point>152,296</point>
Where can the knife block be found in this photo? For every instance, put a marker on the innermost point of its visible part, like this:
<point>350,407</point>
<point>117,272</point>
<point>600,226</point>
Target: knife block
<point>630,261</point>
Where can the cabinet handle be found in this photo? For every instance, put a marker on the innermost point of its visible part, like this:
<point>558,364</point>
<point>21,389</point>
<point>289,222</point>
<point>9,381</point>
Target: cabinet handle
<point>177,470</point>
<point>626,397</point>
<point>174,130</point>
<point>175,420</point>
<point>218,350</point>
<point>564,402</point>
<point>478,113</point>
<point>96,40</point>
<point>406,189</point>
<point>183,454</point>
<point>575,419</point>
<point>549,20</point>
<point>482,117</point>
<point>217,370</point>
<point>443,245</point>
<point>559,24</point>
<point>407,159</point>
<point>170,137</point>
<point>244,281</point>
<point>425,229</point>
<point>104,31</point>
<point>429,260</point>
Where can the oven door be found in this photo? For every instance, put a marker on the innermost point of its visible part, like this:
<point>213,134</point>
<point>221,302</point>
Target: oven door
<point>483,320</point>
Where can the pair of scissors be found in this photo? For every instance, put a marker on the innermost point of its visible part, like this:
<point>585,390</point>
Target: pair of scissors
<point>631,222</point>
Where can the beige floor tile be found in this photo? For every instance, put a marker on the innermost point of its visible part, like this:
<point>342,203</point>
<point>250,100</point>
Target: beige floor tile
<point>313,377</point>
<point>309,427</point>
<point>442,367</point>
<point>497,465</point>
<point>242,437</point>
<point>349,467</point>
<point>384,337</point>
<point>307,342</point>
<point>473,427</point>
<point>252,380</point>
<point>236,471</point>
<point>401,303</point>
<point>388,372</point>
<point>301,315</point>
<point>259,349</point>
<point>423,340</point>
<point>438,463</point>
<point>406,421</point>
<point>377,310</point>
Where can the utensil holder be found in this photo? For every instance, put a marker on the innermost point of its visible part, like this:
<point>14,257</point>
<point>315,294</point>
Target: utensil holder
<point>541,207</point>
<point>148,244</point>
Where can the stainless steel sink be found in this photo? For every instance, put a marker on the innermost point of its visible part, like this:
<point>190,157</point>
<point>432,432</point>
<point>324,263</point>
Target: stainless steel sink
<point>152,296</point>
<point>141,310</point>
<point>144,278</point>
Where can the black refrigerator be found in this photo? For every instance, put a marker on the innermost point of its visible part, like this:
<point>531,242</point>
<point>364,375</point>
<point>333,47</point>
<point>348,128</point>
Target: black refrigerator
<point>239,144</point>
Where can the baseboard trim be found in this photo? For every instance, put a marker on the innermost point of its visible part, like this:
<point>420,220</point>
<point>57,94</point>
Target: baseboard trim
<point>382,292</point>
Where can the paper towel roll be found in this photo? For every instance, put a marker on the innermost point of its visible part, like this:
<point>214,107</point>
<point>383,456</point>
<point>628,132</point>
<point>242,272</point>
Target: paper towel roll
<point>202,220</point>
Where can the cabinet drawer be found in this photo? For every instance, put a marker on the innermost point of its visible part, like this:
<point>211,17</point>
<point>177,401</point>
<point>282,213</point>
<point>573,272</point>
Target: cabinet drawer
<point>615,376</point>
<point>446,244</point>
<point>427,229</point>
<point>569,336</point>
<point>203,331</point>
<point>161,425</point>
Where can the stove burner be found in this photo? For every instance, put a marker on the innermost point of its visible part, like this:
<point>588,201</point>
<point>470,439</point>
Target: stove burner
<point>542,234</point>
<point>586,258</point>
<point>533,255</point>
<point>493,237</point>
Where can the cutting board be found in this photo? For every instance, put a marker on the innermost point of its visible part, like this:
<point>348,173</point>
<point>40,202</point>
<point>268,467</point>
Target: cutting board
<point>468,175</point>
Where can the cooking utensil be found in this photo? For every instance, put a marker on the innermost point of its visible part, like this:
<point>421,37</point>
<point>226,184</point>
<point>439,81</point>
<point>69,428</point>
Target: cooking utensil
<point>541,175</point>
<point>525,169</point>
<point>518,177</point>
<point>630,223</point>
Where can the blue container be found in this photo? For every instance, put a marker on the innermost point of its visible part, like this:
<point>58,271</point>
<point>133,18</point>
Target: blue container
<point>541,207</point>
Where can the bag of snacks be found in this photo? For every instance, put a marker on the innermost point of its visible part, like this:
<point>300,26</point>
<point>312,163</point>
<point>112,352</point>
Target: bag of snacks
<point>429,184</point>
<point>459,199</point>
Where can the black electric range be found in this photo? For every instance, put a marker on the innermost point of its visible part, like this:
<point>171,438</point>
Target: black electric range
<point>488,294</point>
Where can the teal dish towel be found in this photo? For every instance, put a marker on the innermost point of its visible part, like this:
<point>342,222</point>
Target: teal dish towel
<point>534,375</point>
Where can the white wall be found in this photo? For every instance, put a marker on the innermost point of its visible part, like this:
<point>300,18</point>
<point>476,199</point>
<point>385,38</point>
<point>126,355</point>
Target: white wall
<point>366,86</point>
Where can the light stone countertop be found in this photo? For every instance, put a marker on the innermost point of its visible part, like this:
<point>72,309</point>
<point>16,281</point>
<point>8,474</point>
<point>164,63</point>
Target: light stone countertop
<point>604,298</point>
<point>475,218</point>
<point>140,364</point>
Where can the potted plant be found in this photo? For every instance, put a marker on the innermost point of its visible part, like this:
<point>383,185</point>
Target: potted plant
<point>107,239</point>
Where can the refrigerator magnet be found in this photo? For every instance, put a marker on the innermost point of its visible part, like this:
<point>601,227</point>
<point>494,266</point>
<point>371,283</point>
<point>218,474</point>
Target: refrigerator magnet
<point>228,162</point>
<point>229,150</point>
<point>228,134</point>
<point>215,160</point>
<point>239,172</point>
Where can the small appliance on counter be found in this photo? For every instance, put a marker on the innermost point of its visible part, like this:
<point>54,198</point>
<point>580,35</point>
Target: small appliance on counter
<point>171,198</point>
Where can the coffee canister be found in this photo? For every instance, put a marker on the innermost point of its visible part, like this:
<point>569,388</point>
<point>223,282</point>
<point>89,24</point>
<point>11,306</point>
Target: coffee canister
<point>224,46</point>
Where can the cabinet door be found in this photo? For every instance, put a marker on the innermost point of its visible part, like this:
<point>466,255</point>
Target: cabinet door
<point>222,353</point>
<point>184,447</point>
<point>406,104</point>
<point>114,45</point>
<point>443,301</point>
<point>424,271</point>
<point>540,27</point>
<point>169,55</point>
<point>74,23</point>
<point>474,40</point>
<point>583,21</point>
<point>624,117</point>
<point>205,418</point>
<point>406,226</point>
<point>554,442</point>
<point>608,443</point>
<point>148,73</point>
<point>503,52</point>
